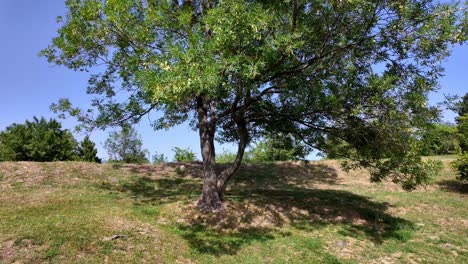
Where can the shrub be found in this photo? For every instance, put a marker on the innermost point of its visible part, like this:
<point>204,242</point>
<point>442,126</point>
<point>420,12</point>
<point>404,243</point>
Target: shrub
<point>184,155</point>
<point>461,165</point>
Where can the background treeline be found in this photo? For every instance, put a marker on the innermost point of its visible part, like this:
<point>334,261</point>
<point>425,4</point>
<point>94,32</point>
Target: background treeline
<point>44,140</point>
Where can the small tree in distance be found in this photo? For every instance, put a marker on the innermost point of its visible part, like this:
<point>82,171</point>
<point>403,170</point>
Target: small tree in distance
<point>278,148</point>
<point>87,150</point>
<point>159,158</point>
<point>125,146</point>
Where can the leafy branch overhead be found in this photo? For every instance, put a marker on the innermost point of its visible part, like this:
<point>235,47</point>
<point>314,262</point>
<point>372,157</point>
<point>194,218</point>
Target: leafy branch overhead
<point>353,71</point>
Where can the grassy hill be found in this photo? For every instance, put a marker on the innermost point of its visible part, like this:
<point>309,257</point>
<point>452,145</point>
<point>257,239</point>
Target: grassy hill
<point>71,212</point>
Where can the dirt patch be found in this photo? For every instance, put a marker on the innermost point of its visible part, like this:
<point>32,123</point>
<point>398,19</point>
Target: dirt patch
<point>23,249</point>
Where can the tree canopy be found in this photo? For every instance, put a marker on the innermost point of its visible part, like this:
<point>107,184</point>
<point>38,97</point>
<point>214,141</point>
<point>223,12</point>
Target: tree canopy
<point>356,71</point>
<point>37,140</point>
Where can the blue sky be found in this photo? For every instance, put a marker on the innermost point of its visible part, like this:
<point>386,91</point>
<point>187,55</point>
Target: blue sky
<point>29,84</point>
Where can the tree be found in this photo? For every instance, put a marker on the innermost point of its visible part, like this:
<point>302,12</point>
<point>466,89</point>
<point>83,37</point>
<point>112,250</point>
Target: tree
<point>278,148</point>
<point>125,146</point>
<point>87,150</point>
<point>439,139</point>
<point>462,107</point>
<point>462,128</point>
<point>238,70</point>
<point>37,140</point>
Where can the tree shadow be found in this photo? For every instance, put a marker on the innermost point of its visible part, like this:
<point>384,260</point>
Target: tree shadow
<point>205,240</point>
<point>454,186</point>
<point>158,191</point>
<point>259,215</point>
<point>274,175</point>
<point>262,200</point>
<point>191,169</point>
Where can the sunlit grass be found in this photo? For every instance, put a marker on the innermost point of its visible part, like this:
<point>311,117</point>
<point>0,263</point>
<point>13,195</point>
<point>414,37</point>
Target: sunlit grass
<point>275,213</point>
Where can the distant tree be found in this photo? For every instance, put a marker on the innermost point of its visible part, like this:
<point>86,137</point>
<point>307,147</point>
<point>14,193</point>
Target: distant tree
<point>236,69</point>
<point>277,148</point>
<point>184,155</point>
<point>463,106</point>
<point>125,146</point>
<point>159,158</point>
<point>37,140</point>
<point>461,163</point>
<point>462,129</point>
<point>87,150</point>
<point>439,139</point>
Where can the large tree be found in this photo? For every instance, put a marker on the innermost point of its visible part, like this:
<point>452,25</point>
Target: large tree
<point>359,71</point>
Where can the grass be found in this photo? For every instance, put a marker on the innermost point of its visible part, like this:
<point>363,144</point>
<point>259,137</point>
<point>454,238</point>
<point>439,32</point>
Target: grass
<point>69,212</point>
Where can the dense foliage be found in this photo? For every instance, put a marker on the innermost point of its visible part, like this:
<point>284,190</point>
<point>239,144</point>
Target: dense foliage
<point>278,148</point>
<point>461,165</point>
<point>462,128</point>
<point>87,150</point>
<point>440,139</point>
<point>37,140</point>
<point>358,71</point>
<point>125,146</point>
<point>462,107</point>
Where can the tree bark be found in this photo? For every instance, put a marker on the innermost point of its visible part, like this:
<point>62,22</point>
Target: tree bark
<point>214,185</point>
<point>209,200</point>
<point>225,175</point>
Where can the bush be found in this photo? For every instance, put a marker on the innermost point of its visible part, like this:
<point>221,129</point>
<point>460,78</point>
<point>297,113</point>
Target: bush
<point>184,155</point>
<point>461,165</point>
<point>37,140</point>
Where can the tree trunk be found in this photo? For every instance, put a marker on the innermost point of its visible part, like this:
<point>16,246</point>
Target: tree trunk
<point>209,200</point>
<point>214,185</point>
<point>225,175</point>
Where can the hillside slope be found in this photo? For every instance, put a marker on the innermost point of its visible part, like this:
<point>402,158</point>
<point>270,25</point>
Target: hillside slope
<point>72,212</point>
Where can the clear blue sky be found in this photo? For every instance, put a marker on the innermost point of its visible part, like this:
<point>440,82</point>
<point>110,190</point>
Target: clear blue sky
<point>28,84</point>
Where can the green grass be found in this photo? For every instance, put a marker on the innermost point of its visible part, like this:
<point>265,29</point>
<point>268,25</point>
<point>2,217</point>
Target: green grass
<point>275,213</point>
